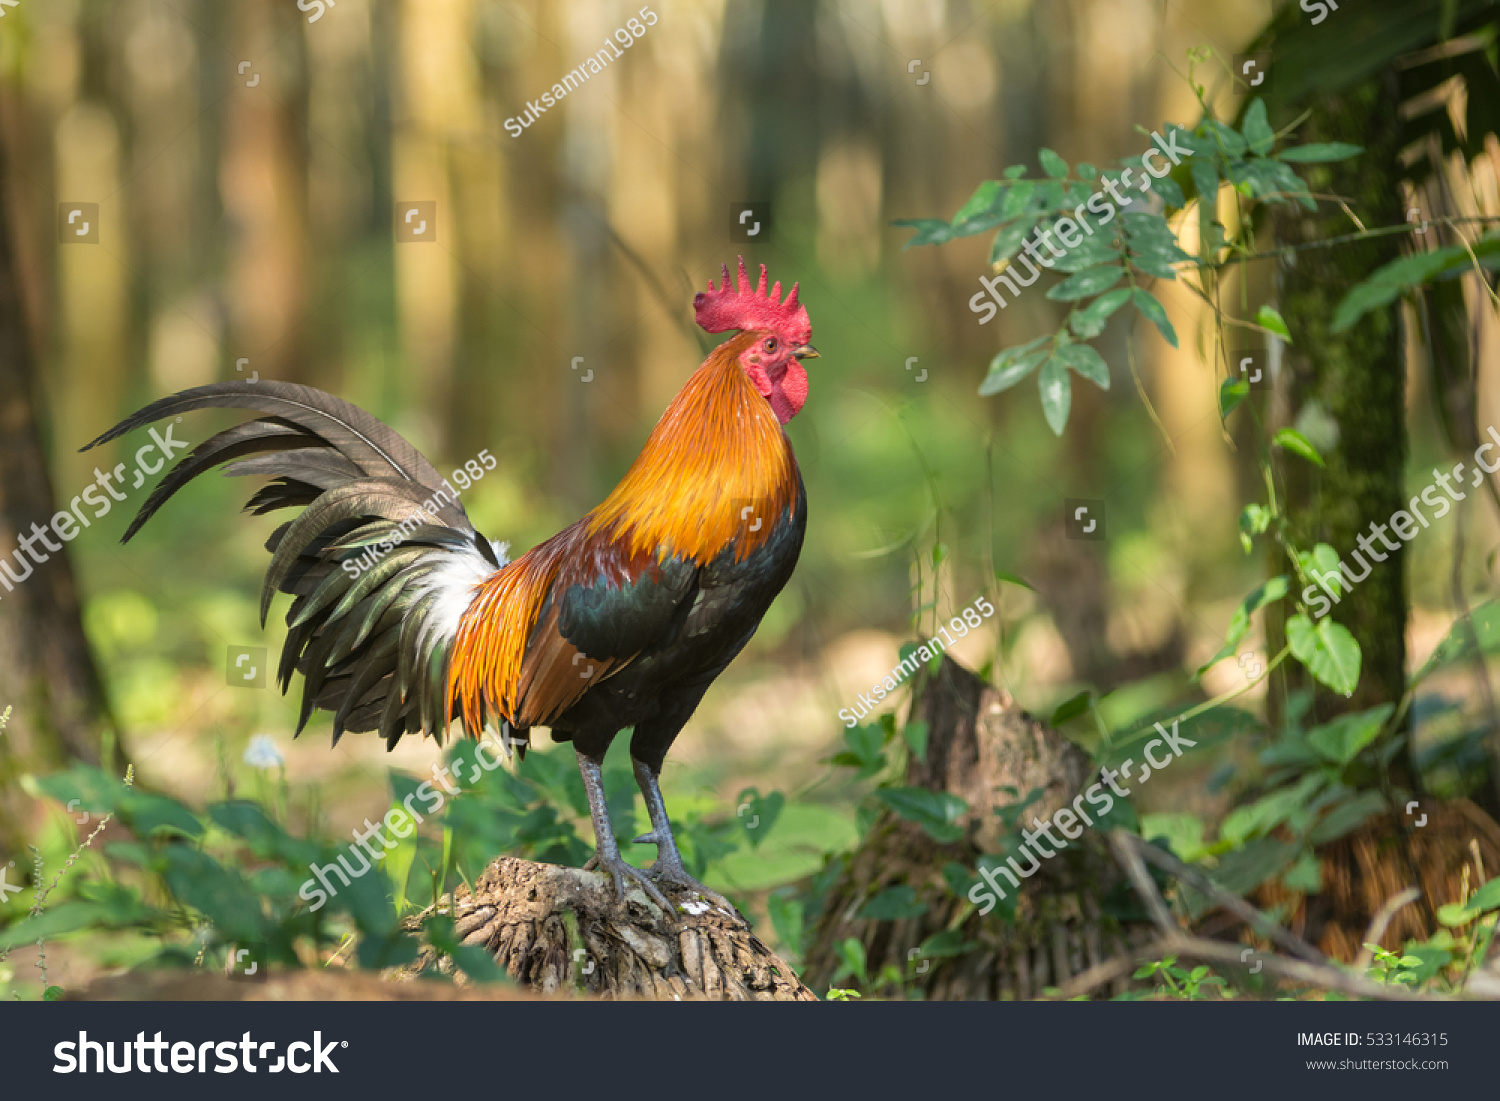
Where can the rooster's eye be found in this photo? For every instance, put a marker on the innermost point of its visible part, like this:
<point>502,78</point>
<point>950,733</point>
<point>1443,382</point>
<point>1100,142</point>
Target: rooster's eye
<point>771,344</point>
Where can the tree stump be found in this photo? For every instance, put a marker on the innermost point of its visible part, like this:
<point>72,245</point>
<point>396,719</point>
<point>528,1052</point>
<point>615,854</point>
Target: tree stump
<point>557,929</point>
<point>979,742</point>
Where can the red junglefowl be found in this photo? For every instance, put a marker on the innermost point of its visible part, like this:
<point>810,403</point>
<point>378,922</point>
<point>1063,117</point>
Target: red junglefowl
<point>622,620</point>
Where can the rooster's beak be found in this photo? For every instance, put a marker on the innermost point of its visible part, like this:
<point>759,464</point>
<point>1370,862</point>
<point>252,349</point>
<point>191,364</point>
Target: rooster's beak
<point>807,351</point>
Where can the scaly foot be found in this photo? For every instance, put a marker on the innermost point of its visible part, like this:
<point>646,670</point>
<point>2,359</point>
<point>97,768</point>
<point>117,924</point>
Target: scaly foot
<point>621,871</point>
<point>669,871</point>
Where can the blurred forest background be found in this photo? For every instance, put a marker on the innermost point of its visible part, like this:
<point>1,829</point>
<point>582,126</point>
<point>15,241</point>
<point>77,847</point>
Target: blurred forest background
<point>248,161</point>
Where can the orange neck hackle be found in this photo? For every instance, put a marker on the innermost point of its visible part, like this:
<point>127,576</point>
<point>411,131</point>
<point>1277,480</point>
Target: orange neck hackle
<point>717,471</point>
<point>717,450</point>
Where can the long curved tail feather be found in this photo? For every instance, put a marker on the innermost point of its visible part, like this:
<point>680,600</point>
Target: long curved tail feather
<point>381,563</point>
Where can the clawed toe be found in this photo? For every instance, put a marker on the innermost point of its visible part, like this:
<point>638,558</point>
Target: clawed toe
<point>620,871</point>
<point>677,876</point>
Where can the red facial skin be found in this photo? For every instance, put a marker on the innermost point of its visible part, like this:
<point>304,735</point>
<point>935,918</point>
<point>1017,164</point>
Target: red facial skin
<point>778,374</point>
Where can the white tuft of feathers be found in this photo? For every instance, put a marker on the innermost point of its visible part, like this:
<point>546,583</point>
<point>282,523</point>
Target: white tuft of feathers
<point>455,580</point>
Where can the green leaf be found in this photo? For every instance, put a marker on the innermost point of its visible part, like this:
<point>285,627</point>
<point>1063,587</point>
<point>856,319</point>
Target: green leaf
<point>916,739</point>
<point>1322,565</point>
<point>1232,391</point>
<point>1057,393</point>
<point>1257,128</point>
<point>893,904</point>
<point>1052,164</point>
<point>1327,649</point>
<point>1341,739</point>
<point>1267,317</point>
<point>1229,139</point>
<point>1482,626</point>
<point>1305,876</point>
<point>937,812</point>
<point>979,203</point>
<point>1086,284</point>
<point>1243,870</point>
<point>1088,363</point>
<point>147,813</point>
<point>757,813</point>
<point>1010,366</point>
<point>950,942</point>
<point>1487,897</point>
<point>1017,199</point>
<point>1153,264</point>
<point>1239,624</point>
<point>1009,240</point>
<point>1070,709</point>
<point>1049,195</point>
<point>930,231</point>
<point>1390,280</point>
<point>1208,729</point>
<point>1089,322</point>
<point>1155,313</point>
<point>1147,231</point>
<point>1292,440</point>
<point>787,918</point>
<point>1322,152</point>
<point>1086,171</point>
<point>67,917</point>
<point>1347,817</point>
<point>1362,299</point>
<point>221,893</point>
<point>864,749</point>
<point>1014,172</point>
<point>1170,192</point>
<point>1205,182</point>
<point>1014,579</point>
<point>1090,252</point>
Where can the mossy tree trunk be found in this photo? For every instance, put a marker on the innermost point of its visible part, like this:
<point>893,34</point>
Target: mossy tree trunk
<point>47,672</point>
<point>1346,392</point>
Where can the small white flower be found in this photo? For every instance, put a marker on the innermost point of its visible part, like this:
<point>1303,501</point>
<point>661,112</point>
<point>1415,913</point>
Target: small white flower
<point>262,752</point>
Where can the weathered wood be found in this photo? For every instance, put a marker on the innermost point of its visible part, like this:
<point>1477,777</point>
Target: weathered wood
<point>520,912</point>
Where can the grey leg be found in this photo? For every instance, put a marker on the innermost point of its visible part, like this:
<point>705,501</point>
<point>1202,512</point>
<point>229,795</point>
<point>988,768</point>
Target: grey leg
<point>668,867</point>
<point>606,849</point>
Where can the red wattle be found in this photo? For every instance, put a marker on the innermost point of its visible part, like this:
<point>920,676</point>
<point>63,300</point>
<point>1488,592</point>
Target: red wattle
<point>789,392</point>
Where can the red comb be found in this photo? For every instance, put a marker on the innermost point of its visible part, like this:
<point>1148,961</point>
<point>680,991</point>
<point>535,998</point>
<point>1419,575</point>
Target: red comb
<point>742,308</point>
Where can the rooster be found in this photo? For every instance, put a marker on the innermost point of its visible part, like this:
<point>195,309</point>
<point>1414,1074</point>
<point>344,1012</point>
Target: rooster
<point>404,618</point>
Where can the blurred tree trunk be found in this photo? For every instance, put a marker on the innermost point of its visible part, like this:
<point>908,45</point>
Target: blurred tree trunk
<point>47,672</point>
<point>1352,383</point>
